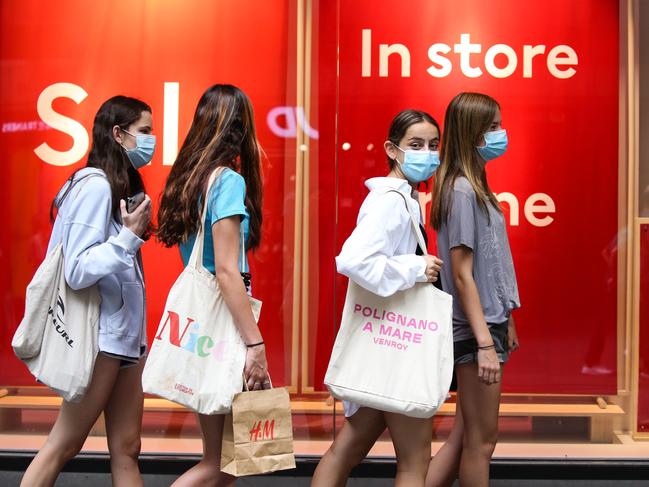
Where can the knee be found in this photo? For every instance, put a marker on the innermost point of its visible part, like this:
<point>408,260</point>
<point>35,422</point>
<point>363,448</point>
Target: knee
<point>348,458</point>
<point>125,447</point>
<point>68,452</point>
<point>484,445</point>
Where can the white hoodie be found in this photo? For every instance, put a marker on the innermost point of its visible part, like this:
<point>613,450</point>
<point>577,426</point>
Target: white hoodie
<point>98,249</point>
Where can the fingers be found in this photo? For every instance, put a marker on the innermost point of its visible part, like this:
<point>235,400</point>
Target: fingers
<point>433,267</point>
<point>122,208</point>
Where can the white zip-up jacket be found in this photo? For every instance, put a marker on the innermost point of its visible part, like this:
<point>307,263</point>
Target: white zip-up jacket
<point>99,250</point>
<point>379,255</point>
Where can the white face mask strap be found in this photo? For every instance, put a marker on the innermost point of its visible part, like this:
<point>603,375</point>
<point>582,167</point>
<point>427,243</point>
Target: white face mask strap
<point>396,159</point>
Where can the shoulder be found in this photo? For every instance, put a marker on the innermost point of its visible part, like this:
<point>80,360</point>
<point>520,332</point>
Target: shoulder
<point>89,185</point>
<point>462,190</point>
<point>462,185</point>
<point>230,183</point>
<point>232,178</point>
<point>387,206</point>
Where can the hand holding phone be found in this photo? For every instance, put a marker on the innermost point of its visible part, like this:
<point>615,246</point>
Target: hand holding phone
<point>134,201</point>
<point>138,219</point>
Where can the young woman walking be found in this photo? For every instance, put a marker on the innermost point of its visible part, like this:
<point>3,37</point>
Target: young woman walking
<point>382,256</point>
<point>101,245</point>
<point>479,274</point>
<point>221,137</point>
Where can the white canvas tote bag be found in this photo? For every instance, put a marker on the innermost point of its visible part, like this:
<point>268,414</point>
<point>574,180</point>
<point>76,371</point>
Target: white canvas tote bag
<point>394,353</point>
<point>197,356</point>
<point>57,337</point>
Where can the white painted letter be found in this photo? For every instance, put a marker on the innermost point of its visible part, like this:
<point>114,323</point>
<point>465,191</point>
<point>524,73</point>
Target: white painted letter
<point>465,49</point>
<point>531,208</point>
<point>170,124</point>
<point>385,51</point>
<point>554,60</point>
<point>528,54</point>
<point>62,123</point>
<point>490,57</point>
<point>435,55</point>
<point>514,209</point>
<point>366,53</point>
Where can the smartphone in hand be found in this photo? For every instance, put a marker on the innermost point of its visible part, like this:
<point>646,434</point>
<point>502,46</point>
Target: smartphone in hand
<point>134,201</point>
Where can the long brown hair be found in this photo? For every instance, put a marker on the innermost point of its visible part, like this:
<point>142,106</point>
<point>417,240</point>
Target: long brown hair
<point>108,155</point>
<point>468,117</point>
<point>222,133</point>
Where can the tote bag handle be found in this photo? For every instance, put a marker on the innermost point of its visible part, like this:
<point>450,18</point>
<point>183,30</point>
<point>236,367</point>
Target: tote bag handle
<point>413,220</point>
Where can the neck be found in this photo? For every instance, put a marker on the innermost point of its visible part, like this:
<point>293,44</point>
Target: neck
<point>396,173</point>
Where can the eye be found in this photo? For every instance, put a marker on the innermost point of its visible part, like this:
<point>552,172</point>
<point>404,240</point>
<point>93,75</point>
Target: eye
<point>415,145</point>
<point>434,146</point>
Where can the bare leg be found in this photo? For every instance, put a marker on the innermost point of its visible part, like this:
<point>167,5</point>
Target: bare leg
<point>480,404</point>
<point>358,434</point>
<point>445,465</point>
<point>124,426</point>
<point>207,472</point>
<point>72,426</point>
<point>411,438</point>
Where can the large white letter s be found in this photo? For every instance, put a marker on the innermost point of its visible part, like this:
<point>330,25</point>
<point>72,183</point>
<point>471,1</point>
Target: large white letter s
<point>62,123</point>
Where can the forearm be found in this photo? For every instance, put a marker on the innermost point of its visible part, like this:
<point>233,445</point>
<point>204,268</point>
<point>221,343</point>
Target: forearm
<point>235,297</point>
<point>88,259</point>
<point>470,300</point>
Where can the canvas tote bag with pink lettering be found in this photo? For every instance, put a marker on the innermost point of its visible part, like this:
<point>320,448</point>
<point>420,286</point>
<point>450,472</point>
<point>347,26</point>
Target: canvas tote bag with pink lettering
<point>394,353</point>
<point>197,356</point>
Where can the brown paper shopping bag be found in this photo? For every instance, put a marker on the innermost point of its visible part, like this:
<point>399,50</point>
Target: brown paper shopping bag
<point>258,434</point>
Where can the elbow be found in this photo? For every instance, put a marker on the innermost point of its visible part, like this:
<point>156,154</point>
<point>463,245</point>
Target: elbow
<point>226,276</point>
<point>460,279</point>
<point>74,275</point>
<point>73,280</point>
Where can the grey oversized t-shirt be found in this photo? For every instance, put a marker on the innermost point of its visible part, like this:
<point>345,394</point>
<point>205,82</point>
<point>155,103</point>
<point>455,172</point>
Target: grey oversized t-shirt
<point>493,268</point>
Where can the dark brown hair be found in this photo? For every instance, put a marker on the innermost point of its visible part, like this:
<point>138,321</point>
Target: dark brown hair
<point>108,155</point>
<point>402,121</point>
<point>468,117</point>
<point>222,134</point>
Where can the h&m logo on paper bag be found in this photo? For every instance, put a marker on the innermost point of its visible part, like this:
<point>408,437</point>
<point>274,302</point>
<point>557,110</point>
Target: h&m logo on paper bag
<point>262,430</point>
<point>200,345</point>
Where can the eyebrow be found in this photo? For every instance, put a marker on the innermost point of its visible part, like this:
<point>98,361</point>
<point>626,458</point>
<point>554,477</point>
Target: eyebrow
<point>420,139</point>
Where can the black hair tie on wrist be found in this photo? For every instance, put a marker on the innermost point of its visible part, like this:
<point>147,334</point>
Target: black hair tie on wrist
<point>255,344</point>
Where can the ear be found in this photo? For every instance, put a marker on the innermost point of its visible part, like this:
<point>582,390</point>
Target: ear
<point>117,134</point>
<point>390,150</point>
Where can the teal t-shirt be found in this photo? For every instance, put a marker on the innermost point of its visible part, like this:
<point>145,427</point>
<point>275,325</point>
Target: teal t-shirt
<point>226,198</point>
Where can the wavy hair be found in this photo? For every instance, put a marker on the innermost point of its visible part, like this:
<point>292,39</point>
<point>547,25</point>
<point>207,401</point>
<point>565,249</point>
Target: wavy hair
<point>222,134</point>
<point>468,117</point>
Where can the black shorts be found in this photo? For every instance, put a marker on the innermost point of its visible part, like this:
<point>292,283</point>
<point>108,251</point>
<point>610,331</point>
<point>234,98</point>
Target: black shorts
<point>466,351</point>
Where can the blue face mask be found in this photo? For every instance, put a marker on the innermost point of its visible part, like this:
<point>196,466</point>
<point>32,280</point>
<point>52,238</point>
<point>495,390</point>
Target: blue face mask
<point>495,145</point>
<point>418,165</point>
<point>142,154</point>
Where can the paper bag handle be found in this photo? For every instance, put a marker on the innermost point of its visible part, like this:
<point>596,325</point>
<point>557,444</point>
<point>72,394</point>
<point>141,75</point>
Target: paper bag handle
<point>245,382</point>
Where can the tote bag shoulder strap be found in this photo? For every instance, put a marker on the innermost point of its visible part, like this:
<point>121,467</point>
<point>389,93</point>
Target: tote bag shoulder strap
<point>413,220</point>
<point>196,257</point>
